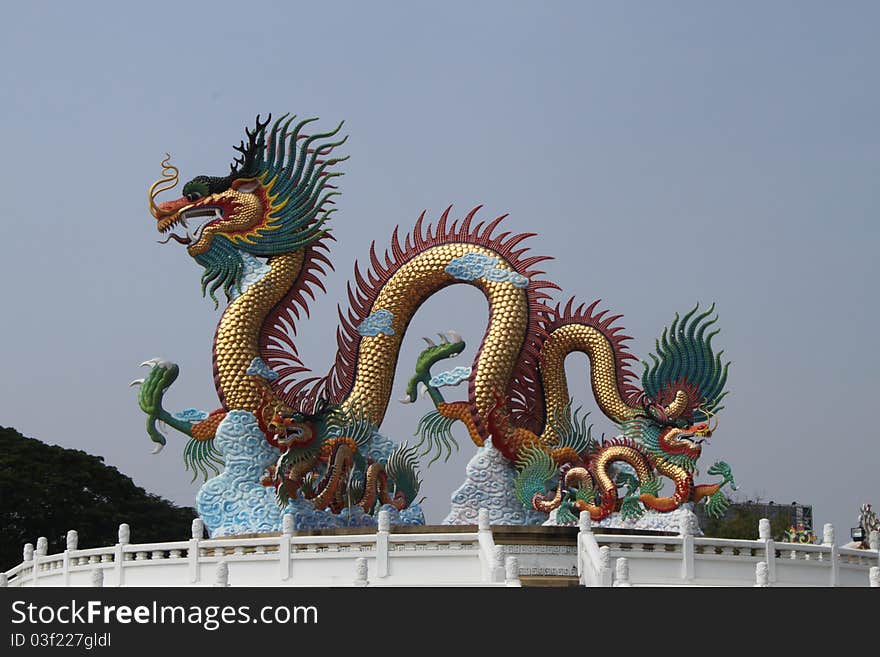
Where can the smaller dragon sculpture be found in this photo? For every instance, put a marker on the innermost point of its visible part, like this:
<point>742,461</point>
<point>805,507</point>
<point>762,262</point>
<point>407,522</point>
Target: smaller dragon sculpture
<point>325,456</point>
<point>625,474</point>
<point>800,534</point>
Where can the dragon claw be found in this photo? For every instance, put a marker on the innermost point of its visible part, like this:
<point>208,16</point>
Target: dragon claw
<point>454,336</point>
<point>136,382</point>
<point>443,338</point>
<point>429,341</point>
<point>157,362</point>
<point>405,400</point>
<point>158,448</point>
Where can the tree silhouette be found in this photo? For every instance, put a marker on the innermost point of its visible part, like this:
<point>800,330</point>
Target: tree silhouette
<point>741,521</point>
<point>46,490</point>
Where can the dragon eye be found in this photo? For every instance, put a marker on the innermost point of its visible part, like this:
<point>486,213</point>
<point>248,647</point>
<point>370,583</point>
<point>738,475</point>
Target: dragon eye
<point>196,189</point>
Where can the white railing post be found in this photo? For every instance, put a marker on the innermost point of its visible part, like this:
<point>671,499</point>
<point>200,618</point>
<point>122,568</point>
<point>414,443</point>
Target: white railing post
<point>28,556</point>
<point>828,541</point>
<point>72,543</point>
<point>97,577</point>
<point>605,566</point>
<point>382,536</point>
<point>511,571</point>
<point>39,553</point>
<point>584,527</point>
<point>588,553</point>
<point>498,564</point>
<point>761,577</point>
<point>593,561</point>
<point>198,530</point>
<point>686,533</point>
<point>488,565</point>
<point>621,572</point>
<point>4,580</point>
<point>360,572</point>
<point>874,577</point>
<point>124,538</point>
<point>483,520</point>
<point>221,576</point>
<point>284,545</point>
<point>765,535</point>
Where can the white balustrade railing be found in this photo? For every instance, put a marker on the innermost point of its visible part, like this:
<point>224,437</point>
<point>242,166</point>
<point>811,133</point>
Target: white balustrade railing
<point>453,558</point>
<point>468,558</point>
<point>703,561</point>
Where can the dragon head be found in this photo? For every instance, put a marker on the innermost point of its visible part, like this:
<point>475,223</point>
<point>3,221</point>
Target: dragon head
<point>684,384</point>
<point>683,389</point>
<point>685,441</point>
<point>273,201</point>
<point>291,432</point>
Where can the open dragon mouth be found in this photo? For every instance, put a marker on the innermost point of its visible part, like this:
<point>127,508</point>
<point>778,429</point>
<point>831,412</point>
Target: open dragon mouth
<point>691,439</point>
<point>201,217</point>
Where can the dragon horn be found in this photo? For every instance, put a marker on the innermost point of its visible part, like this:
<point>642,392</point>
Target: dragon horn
<point>164,184</point>
<point>677,406</point>
<point>712,416</point>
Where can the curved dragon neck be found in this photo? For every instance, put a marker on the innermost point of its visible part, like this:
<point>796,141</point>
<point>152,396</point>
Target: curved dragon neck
<point>604,376</point>
<point>401,296</point>
<point>236,342</point>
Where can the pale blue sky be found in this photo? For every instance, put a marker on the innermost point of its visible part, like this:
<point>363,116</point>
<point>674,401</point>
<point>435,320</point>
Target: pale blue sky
<point>666,153</point>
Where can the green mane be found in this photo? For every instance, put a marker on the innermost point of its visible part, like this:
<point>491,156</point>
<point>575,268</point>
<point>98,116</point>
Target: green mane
<point>684,358</point>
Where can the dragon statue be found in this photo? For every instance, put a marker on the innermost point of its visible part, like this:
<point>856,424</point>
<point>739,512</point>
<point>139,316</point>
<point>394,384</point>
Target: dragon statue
<point>290,440</point>
<point>800,534</point>
<point>868,522</point>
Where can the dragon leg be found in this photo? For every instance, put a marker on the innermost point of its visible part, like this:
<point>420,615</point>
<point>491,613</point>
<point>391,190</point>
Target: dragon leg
<point>199,454</point>
<point>377,488</point>
<point>151,391</point>
<point>461,411</point>
<point>435,427</point>
<point>716,502</point>
<point>702,491</point>
<point>430,356</point>
<point>607,486</point>
<point>375,473</point>
<point>338,466</point>
<point>292,479</point>
<point>684,485</point>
